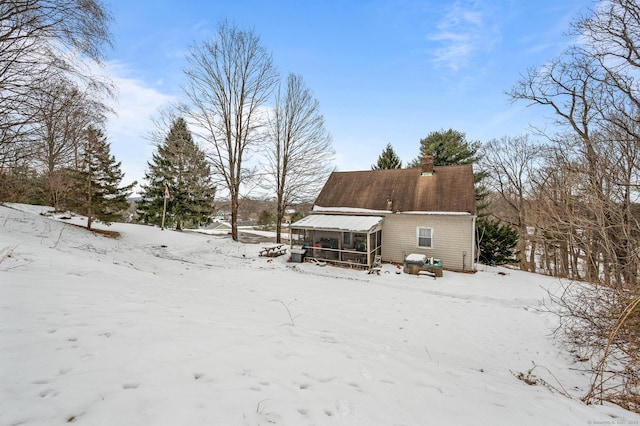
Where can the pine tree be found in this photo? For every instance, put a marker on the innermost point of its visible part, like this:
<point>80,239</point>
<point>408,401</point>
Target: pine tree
<point>497,243</point>
<point>180,165</point>
<point>448,147</point>
<point>266,218</point>
<point>387,160</point>
<point>95,184</point>
<point>451,147</point>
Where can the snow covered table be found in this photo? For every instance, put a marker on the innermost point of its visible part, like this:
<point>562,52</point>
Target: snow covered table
<point>273,250</point>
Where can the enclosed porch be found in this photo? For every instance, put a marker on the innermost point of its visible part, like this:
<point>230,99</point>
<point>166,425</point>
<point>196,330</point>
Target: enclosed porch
<point>339,239</point>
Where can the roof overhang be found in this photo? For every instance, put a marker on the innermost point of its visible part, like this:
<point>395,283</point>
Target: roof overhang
<point>353,210</point>
<point>339,223</point>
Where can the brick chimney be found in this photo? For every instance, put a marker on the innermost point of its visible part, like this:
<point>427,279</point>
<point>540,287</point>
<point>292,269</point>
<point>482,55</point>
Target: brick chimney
<point>427,165</point>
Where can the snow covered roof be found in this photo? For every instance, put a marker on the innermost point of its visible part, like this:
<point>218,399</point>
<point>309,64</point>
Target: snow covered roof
<point>338,222</point>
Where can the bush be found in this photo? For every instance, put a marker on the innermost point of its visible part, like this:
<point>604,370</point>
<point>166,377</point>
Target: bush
<point>602,327</point>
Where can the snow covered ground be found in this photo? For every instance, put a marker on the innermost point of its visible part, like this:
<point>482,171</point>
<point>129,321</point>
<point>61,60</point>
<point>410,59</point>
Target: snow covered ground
<point>169,328</point>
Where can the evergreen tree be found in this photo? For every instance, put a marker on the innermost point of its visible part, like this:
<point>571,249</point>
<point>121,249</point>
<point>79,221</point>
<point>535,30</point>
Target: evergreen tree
<point>448,147</point>
<point>497,242</point>
<point>451,147</point>
<point>296,216</point>
<point>266,219</point>
<point>387,160</point>
<point>180,165</point>
<point>95,184</point>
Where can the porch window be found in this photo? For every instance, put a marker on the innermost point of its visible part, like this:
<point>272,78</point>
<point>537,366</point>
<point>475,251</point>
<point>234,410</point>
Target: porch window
<point>346,239</point>
<point>425,237</point>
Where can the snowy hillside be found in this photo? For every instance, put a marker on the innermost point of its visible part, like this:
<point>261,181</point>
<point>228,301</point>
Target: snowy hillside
<point>168,328</point>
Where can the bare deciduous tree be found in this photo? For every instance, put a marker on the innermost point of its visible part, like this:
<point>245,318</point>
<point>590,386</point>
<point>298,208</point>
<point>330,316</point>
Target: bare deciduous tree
<point>299,154</point>
<point>510,164</point>
<point>229,79</point>
<point>591,188</point>
<point>571,87</point>
<point>61,115</point>
<point>42,40</point>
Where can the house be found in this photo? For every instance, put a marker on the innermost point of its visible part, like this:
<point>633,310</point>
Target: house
<point>393,213</point>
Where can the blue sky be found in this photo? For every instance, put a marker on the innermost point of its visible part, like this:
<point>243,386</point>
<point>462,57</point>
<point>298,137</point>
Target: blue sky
<point>384,71</point>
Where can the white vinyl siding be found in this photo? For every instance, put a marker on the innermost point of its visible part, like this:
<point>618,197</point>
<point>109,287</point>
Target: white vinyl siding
<point>454,244</point>
<point>425,237</point>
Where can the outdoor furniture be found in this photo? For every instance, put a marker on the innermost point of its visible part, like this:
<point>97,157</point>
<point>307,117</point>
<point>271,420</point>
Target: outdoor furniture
<point>416,263</point>
<point>273,250</point>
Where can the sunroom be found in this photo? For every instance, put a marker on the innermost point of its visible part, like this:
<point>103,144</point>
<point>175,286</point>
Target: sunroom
<point>340,239</point>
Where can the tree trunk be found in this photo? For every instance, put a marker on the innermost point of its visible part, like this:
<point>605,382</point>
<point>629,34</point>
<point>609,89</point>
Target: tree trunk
<point>522,248</point>
<point>279,217</point>
<point>234,216</point>
<point>532,256</point>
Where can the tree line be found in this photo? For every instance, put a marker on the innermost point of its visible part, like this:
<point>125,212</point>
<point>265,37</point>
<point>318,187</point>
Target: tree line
<point>53,113</point>
<point>53,148</point>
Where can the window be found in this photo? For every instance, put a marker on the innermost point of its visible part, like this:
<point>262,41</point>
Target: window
<point>346,239</point>
<point>425,237</point>
<point>360,242</point>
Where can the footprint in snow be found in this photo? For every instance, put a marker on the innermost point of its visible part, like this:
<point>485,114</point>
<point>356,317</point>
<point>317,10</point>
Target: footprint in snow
<point>365,373</point>
<point>343,407</point>
<point>355,386</point>
<point>48,393</point>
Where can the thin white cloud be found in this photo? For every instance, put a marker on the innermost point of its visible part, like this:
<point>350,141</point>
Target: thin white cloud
<point>467,29</point>
<point>137,102</point>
